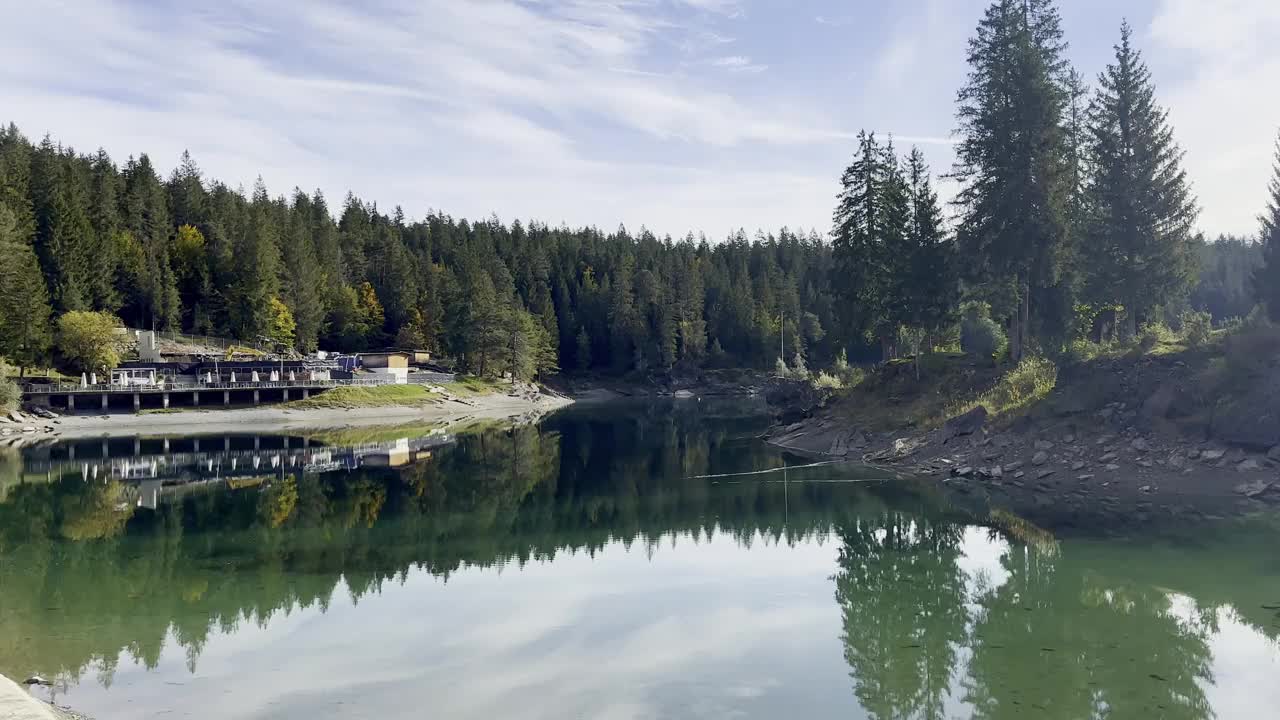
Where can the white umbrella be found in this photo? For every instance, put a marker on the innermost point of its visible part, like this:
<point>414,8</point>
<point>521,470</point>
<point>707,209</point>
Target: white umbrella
<point>93,379</point>
<point>275,377</point>
<point>292,377</point>
<point>254,377</point>
<point>233,376</point>
<point>84,380</point>
<point>208,378</point>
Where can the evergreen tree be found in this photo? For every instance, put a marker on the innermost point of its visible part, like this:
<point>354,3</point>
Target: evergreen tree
<point>1139,246</point>
<point>302,292</point>
<point>104,215</point>
<point>1266,279</point>
<point>928,286</point>
<point>257,271</point>
<point>1010,162</point>
<point>24,305</point>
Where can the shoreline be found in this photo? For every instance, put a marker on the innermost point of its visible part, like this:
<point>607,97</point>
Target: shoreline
<point>281,418</point>
<point>1076,472</point>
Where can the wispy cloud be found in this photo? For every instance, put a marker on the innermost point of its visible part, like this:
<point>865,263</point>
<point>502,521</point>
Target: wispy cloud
<point>738,63</point>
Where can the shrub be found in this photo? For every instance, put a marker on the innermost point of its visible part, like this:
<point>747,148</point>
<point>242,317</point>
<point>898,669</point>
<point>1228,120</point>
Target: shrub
<point>1197,328</point>
<point>826,380</point>
<point>983,337</point>
<point>1153,334</point>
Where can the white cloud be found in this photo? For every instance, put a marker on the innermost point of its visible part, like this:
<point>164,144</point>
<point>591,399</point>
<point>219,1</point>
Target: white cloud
<point>1222,101</point>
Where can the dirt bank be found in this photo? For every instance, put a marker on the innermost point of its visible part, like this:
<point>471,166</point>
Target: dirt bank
<point>1113,442</point>
<point>283,418</point>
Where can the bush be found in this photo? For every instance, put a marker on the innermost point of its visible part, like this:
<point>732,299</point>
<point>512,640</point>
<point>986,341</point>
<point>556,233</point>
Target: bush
<point>983,337</point>
<point>1153,334</point>
<point>1197,328</point>
<point>826,380</point>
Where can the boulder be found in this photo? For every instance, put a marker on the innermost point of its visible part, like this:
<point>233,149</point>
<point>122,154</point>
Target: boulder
<point>1140,444</point>
<point>1040,458</point>
<point>1107,458</point>
<point>1111,468</point>
<point>1077,465</point>
<point>1212,455</point>
<point>1045,473</point>
<point>1248,465</point>
<point>1043,445</point>
<point>1274,453</point>
<point>1255,488</point>
<point>963,425</point>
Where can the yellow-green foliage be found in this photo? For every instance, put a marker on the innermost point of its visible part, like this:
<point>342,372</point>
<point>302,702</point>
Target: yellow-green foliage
<point>1032,380</point>
<point>824,380</point>
<point>9,394</point>
<point>368,397</point>
<point>88,341</point>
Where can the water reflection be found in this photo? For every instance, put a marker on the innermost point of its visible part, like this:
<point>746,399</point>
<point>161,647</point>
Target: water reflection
<point>575,570</point>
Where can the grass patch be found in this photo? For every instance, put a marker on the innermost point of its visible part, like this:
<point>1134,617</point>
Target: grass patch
<point>347,398</point>
<point>473,386</point>
<point>1019,388</point>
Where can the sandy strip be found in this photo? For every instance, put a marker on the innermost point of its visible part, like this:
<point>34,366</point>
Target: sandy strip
<point>279,419</point>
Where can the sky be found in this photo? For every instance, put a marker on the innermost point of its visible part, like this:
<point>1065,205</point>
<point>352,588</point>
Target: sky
<point>677,115</point>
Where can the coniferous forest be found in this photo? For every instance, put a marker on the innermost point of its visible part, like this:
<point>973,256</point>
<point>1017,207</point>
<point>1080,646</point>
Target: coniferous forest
<point>1072,201</point>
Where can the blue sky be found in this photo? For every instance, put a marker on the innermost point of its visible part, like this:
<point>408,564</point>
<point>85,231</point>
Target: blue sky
<point>702,115</point>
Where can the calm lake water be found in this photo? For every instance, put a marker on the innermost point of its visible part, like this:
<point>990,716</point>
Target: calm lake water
<point>615,562</point>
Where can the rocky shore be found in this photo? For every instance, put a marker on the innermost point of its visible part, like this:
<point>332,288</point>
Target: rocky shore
<point>1076,458</point>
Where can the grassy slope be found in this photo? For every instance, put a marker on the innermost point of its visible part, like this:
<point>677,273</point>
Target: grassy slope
<point>950,384</point>
<point>346,398</point>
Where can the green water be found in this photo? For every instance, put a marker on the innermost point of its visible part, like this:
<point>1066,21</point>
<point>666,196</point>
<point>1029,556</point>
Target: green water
<point>583,569</point>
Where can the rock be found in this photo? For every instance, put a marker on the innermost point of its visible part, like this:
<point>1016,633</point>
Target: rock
<point>1140,445</point>
<point>995,473</point>
<point>1145,489</point>
<point>1211,455</point>
<point>1104,439</point>
<point>1248,465</point>
<point>1001,441</point>
<point>1193,454</point>
<point>1145,463</point>
<point>1069,438</point>
<point>1040,458</point>
<point>1013,466</point>
<point>1043,445</point>
<point>1111,468</point>
<point>1106,413</point>
<point>1176,461</point>
<point>966,424</point>
<point>1274,453</point>
<point>965,471</point>
<point>15,416</point>
<point>28,429</point>
<point>1077,465</point>
<point>1045,473</point>
<point>1254,488</point>
<point>1107,458</point>
<point>37,680</point>
<point>991,454</point>
<point>1084,477</point>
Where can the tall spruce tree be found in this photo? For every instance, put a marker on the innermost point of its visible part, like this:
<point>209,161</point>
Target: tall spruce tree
<point>1266,279</point>
<point>860,263</point>
<point>1013,235</point>
<point>1139,246</point>
<point>928,286</point>
<point>25,332</point>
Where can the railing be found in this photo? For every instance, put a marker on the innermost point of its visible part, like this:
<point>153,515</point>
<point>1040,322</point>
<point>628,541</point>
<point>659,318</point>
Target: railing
<point>61,388</point>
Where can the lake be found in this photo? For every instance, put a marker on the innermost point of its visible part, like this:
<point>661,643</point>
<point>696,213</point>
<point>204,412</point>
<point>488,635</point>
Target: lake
<point>625,561</point>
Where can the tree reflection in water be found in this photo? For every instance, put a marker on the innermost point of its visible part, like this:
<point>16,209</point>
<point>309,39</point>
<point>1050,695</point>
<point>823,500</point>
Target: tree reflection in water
<point>1091,631</point>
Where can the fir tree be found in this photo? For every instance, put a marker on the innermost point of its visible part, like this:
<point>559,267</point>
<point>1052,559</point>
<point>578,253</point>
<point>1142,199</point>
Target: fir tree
<point>1014,185</point>
<point>1139,245</point>
<point>25,334</point>
<point>1266,279</point>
